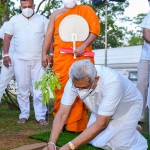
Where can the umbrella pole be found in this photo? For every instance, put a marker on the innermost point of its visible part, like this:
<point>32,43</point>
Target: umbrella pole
<point>74,39</point>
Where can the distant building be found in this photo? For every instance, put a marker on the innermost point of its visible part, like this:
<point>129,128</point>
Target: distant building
<point>122,59</point>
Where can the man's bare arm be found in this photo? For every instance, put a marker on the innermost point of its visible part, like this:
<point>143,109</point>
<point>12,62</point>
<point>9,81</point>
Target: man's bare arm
<point>6,45</point>
<point>48,40</point>
<point>80,50</point>
<point>58,124</point>
<point>146,35</point>
<point>1,40</point>
<point>51,54</point>
<point>89,133</point>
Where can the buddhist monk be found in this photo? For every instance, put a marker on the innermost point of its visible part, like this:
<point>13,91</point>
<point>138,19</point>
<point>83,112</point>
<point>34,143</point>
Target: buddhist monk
<point>78,117</point>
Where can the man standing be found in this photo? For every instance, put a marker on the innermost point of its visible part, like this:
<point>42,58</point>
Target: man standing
<point>78,118</point>
<point>144,65</point>
<point>115,105</point>
<point>28,30</point>
<point>6,73</point>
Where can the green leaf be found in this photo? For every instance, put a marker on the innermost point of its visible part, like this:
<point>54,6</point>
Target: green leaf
<point>48,82</point>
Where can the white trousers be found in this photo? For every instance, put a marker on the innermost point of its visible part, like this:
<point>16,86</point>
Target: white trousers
<point>5,76</point>
<point>143,82</point>
<point>27,72</point>
<point>121,133</point>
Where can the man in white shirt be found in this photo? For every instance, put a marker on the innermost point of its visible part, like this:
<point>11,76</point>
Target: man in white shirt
<point>6,73</point>
<point>144,65</point>
<point>28,30</point>
<point>115,105</point>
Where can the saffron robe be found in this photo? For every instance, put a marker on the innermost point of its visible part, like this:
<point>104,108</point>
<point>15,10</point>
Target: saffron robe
<point>78,117</point>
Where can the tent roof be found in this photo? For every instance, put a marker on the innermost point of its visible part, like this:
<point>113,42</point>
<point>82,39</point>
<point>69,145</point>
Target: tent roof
<point>118,56</point>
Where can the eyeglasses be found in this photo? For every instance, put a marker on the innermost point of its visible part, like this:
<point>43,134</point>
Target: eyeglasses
<point>86,91</point>
<point>76,89</point>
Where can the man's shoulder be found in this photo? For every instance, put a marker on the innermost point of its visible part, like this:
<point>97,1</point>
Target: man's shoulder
<point>148,14</point>
<point>4,25</point>
<point>146,18</point>
<point>40,16</point>
<point>15,17</point>
<point>107,73</point>
<point>146,22</point>
<point>57,13</point>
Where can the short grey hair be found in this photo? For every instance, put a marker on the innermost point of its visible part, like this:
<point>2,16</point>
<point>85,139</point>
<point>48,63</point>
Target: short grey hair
<point>81,69</point>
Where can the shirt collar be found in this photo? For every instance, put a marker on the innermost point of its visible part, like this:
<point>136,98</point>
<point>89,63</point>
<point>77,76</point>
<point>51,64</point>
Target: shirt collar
<point>26,17</point>
<point>96,89</point>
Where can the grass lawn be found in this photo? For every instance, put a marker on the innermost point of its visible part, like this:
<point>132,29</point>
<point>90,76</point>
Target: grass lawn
<point>66,136</point>
<point>13,135</point>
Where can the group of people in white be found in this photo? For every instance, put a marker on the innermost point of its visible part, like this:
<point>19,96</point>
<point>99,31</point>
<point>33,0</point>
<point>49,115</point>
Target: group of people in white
<point>115,103</point>
<point>22,50</point>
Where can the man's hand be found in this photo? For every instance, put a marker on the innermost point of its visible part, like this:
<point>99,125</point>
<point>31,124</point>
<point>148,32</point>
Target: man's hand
<point>65,147</point>
<point>79,50</point>
<point>44,60</point>
<point>49,147</point>
<point>7,61</point>
<point>47,60</point>
<point>50,61</point>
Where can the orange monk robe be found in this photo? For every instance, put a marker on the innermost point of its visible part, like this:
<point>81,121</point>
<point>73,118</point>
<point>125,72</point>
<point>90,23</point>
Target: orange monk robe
<point>78,117</point>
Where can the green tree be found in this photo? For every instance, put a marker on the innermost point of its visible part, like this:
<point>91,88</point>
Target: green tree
<point>136,37</point>
<point>7,9</point>
<point>116,34</point>
<point>49,7</point>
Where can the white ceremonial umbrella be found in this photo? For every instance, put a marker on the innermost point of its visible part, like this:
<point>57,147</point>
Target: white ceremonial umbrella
<point>73,28</point>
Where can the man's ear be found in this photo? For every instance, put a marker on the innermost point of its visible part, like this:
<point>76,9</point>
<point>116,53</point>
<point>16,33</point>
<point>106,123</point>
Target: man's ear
<point>34,6</point>
<point>20,10</point>
<point>97,78</point>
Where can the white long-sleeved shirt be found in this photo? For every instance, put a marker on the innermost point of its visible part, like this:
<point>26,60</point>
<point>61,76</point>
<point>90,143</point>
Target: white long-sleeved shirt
<point>145,53</point>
